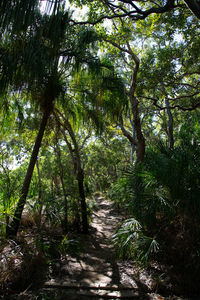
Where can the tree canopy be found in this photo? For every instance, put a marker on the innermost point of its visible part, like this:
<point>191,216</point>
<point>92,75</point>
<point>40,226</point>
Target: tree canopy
<point>102,96</point>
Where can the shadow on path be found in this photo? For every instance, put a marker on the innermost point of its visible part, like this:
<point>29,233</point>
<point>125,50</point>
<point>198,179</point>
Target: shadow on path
<point>96,273</point>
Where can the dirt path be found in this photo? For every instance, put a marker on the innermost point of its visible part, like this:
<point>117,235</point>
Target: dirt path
<point>96,273</point>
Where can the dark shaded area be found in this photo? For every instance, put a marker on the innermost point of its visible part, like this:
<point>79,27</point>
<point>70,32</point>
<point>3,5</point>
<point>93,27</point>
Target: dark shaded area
<point>93,273</point>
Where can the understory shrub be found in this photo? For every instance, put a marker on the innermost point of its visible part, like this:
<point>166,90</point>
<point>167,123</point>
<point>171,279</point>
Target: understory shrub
<point>162,195</point>
<point>20,265</point>
<point>130,241</point>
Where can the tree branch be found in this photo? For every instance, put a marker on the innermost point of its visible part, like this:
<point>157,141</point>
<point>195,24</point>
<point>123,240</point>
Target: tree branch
<point>135,13</point>
<point>194,6</point>
<point>126,133</point>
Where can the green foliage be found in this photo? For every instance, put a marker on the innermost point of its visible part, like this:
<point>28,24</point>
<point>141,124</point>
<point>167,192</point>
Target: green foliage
<point>45,58</point>
<point>140,193</point>
<point>131,242</point>
<point>9,183</point>
<point>178,171</point>
<point>100,92</point>
<point>104,160</point>
<point>160,194</point>
<point>17,15</point>
<point>70,245</point>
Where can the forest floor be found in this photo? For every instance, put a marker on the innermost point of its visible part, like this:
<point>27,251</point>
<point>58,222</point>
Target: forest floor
<point>96,272</point>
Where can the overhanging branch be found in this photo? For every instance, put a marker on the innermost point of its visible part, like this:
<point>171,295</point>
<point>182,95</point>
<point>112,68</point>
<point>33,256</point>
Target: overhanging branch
<point>119,10</point>
<point>154,102</point>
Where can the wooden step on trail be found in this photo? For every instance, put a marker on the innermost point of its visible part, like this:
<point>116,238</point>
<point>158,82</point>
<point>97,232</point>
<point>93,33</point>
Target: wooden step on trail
<point>98,292</point>
<point>51,284</point>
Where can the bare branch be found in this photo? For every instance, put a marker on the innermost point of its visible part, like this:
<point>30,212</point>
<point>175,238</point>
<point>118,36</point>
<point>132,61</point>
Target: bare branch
<point>135,13</point>
<point>126,133</point>
<point>154,101</point>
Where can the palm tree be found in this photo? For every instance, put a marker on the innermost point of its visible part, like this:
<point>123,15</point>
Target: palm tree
<point>98,94</point>
<point>49,97</point>
<point>36,68</point>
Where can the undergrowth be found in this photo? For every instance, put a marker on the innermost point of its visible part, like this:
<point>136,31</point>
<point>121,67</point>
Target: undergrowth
<point>162,196</point>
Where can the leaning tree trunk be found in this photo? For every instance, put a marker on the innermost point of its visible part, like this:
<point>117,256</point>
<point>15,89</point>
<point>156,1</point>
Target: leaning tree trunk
<point>79,171</point>
<point>12,229</point>
<point>80,178</point>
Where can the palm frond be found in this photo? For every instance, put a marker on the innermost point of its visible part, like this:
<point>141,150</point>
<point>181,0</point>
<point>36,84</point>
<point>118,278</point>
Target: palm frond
<point>131,242</point>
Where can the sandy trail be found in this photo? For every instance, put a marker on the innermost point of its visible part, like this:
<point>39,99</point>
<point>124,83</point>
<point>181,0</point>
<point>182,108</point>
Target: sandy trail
<point>96,273</point>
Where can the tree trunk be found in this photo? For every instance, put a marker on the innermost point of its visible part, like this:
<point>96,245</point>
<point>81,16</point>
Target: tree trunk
<point>140,140</point>
<point>39,204</point>
<point>136,139</point>
<point>14,226</point>
<point>39,186</point>
<point>140,147</point>
<point>133,135</point>
<point>80,173</point>
<point>65,221</point>
<point>170,129</point>
<point>70,150</point>
<point>80,179</point>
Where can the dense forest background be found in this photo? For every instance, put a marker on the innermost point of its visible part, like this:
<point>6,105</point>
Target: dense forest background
<point>102,96</point>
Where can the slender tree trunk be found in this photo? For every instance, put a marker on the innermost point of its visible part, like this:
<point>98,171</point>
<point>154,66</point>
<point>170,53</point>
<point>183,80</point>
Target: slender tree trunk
<point>80,179</point>
<point>80,175</point>
<point>133,134</point>
<point>140,140</point>
<point>170,126</point>
<point>71,151</point>
<point>140,147</point>
<point>14,226</point>
<point>129,136</point>
<point>170,129</point>
<point>40,204</point>
<point>65,221</point>
<point>77,216</point>
<point>136,139</point>
<point>39,184</point>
